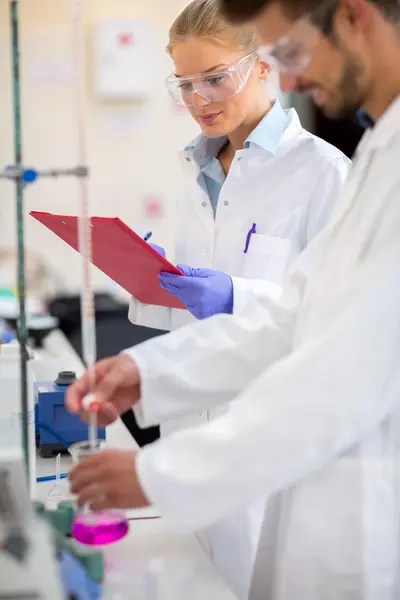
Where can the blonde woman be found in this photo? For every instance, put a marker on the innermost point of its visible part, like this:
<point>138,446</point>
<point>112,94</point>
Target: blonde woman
<point>258,188</point>
<point>252,170</point>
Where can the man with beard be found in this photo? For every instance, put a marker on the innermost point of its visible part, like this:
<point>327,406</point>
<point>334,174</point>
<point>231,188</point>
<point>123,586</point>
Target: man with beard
<point>314,423</point>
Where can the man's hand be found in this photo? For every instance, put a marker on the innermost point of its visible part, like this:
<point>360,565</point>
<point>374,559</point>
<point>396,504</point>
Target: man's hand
<point>108,480</point>
<point>117,389</point>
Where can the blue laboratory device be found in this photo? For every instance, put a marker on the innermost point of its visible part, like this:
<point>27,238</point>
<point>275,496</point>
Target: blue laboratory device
<point>56,428</point>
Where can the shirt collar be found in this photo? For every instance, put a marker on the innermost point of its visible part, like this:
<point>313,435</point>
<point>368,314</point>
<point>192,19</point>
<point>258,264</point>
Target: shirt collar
<point>268,133</point>
<point>267,136</point>
<point>385,128</point>
<point>364,119</point>
<point>204,149</point>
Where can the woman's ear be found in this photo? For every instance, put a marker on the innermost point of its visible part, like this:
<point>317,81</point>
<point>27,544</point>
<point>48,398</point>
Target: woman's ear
<point>265,69</point>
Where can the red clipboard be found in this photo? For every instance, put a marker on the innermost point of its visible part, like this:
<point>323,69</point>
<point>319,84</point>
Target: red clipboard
<point>120,253</point>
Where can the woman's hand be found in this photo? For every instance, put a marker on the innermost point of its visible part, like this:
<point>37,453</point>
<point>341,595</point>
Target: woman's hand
<point>203,291</point>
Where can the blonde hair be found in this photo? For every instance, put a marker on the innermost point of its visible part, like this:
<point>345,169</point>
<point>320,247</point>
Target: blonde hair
<point>202,18</point>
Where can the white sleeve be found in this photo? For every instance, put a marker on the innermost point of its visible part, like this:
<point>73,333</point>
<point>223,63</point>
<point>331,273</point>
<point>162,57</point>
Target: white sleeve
<point>243,289</point>
<point>209,362</point>
<point>148,315</point>
<point>309,407</point>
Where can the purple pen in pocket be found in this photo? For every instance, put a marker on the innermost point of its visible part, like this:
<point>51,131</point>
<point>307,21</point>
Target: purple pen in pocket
<point>248,237</point>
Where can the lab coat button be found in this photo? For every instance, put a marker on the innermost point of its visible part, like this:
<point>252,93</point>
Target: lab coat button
<point>204,203</point>
<point>226,203</point>
<point>188,158</point>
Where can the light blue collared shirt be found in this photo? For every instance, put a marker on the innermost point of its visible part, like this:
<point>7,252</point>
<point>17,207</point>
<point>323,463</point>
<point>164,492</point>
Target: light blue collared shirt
<point>266,135</point>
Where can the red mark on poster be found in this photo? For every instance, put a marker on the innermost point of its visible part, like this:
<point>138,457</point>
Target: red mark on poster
<point>125,39</point>
<point>153,206</point>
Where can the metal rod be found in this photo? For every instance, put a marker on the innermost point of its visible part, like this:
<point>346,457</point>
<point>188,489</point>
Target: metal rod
<point>22,330</point>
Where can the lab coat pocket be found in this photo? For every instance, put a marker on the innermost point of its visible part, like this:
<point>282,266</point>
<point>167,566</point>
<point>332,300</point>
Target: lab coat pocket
<point>267,258</point>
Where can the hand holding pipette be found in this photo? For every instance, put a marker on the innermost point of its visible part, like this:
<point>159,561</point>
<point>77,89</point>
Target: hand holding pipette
<point>117,390</point>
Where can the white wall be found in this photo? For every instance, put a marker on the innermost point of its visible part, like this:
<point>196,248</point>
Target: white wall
<point>132,147</point>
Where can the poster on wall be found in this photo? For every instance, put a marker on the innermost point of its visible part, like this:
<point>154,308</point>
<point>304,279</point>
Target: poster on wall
<point>123,55</point>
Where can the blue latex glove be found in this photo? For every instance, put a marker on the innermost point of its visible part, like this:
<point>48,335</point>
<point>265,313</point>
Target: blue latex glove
<point>158,249</point>
<point>75,580</point>
<point>204,292</point>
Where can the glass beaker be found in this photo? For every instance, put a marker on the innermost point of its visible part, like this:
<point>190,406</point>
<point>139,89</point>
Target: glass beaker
<point>101,527</point>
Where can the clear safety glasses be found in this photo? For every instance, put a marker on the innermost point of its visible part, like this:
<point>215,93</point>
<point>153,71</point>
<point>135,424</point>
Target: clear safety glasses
<point>292,52</point>
<point>217,86</point>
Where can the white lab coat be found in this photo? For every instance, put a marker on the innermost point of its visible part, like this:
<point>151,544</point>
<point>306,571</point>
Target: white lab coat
<point>290,196</point>
<point>316,420</point>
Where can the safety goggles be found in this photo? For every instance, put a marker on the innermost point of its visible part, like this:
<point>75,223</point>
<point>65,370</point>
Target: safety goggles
<point>292,52</point>
<point>217,86</point>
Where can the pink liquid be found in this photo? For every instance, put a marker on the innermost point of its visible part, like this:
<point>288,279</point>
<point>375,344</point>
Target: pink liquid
<point>99,528</point>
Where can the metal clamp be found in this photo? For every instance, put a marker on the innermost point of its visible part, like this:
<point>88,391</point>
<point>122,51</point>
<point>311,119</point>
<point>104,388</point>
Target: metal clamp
<point>29,175</point>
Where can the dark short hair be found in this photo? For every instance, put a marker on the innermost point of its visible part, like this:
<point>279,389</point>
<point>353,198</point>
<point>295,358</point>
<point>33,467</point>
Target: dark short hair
<point>239,11</point>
